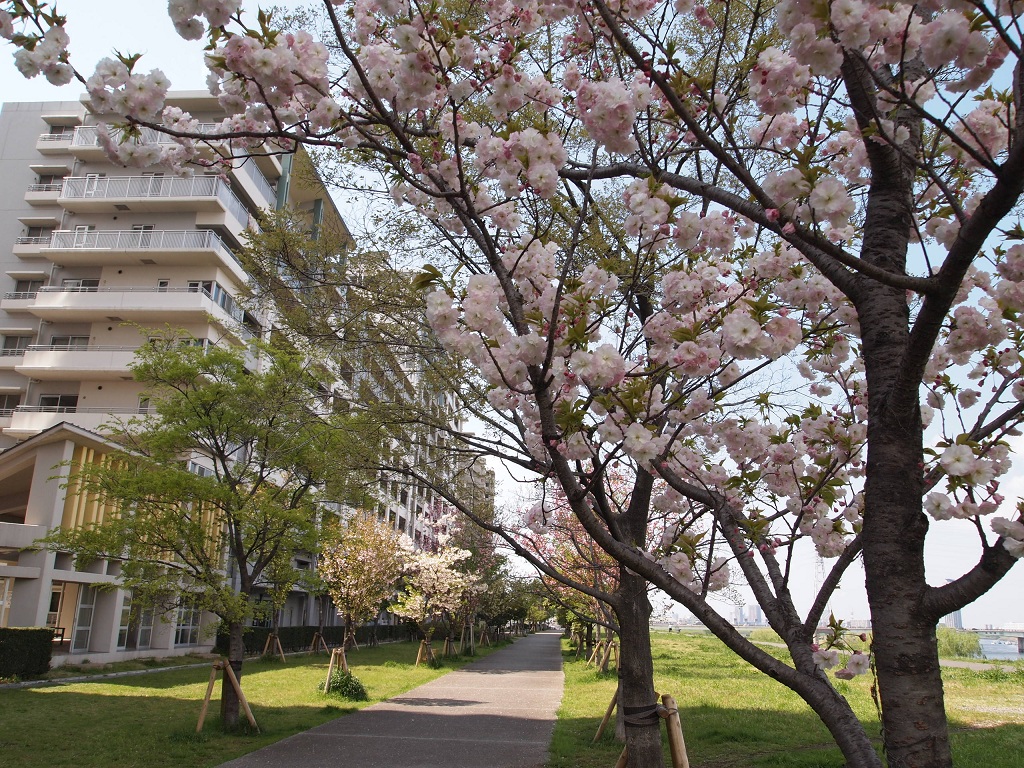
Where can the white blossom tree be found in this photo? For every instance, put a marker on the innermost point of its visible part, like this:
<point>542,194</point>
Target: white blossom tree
<point>764,255</point>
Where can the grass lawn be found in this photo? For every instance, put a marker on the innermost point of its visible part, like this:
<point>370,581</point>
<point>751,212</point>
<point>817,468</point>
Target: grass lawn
<point>149,721</point>
<point>734,716</point>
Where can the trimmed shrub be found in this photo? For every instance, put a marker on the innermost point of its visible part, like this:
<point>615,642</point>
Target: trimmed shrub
<point>346,685</point>
<point>25,651</point>
<point>300,638</point>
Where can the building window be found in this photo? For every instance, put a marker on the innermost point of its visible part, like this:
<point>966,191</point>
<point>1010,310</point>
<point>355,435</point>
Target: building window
<point>27,289</point>
<point>59,403</point>
<point>186,629</point>
<point>14,346</point>
<point>80,284</point>
<point>8,403</point>
<point>69,342</point>
<point>83,619</point>
<point>136,629</point>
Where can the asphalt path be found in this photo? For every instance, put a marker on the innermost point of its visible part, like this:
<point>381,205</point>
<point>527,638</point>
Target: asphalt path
<point>497,712</point>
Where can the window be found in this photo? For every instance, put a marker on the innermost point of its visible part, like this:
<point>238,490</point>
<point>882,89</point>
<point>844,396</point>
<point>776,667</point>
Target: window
<point>60,132</point>
<point>80,284</point>
<point>136,629</point>
<point>83,619</point>
<point>199,469</point>
<point>144,405</point>
<point>142,235</point>
<point>59,403</point>
<point>27,288</point>
<point>8,403</point>
<point>92,184</point>
<point>69,342</point>
<point>50,180</point>
<point>163,285</point>
<point>186,628</point>
<point>14,346</point>
<point>201,286</point>
<point>82,238</point>
<point>39,233</point>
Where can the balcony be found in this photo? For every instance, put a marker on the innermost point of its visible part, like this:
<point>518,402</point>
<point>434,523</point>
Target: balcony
<point>54,362</point>
<point>29,246</point>
<point>54,143</point>
<point>169,247</point>
<point>11,358</point>
<point>86,145</point>
<point>108,194</point>
<point>141,304</point>
<point>18,301</point>
<point>42,194</point>
<point>28,420</point>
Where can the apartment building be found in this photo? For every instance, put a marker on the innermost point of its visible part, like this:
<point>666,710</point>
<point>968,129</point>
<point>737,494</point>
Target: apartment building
<point>92,254</point>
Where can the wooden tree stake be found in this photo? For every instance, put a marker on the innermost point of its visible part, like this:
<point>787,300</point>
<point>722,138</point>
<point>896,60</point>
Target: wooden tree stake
<point>623,759</point>
<point>607,715</point>
<point>206,701</point>
<point>676,744</point>
<point>318,643</point>
<point>223,665</point>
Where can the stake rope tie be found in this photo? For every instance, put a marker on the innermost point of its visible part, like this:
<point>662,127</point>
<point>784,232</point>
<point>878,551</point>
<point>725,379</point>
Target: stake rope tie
<point>640,717</point>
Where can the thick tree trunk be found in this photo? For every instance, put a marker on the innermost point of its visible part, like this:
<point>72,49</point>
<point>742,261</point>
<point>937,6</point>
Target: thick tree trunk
<point>229,704</point>
<point>636,674</point>
<point>905,648</point>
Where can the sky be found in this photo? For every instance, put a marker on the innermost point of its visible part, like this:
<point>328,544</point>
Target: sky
<point>141,26</point>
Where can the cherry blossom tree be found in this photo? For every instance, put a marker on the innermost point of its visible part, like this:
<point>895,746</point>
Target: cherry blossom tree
<point>765,254</point>
<point>360,563</point>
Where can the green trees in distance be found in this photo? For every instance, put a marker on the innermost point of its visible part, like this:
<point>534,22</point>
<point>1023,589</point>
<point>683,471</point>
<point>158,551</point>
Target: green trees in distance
<point>221,484</point>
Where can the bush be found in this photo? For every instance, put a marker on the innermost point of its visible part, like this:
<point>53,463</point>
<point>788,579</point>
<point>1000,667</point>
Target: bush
<point>25,651</point>
<point>956,642</point>
<point>346,685</point>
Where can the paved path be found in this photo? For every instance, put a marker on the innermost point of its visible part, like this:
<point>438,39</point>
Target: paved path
<point>497,712</point>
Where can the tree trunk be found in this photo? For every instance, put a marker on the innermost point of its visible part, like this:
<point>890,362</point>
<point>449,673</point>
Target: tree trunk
<point>636,674</point>
<point>589,645</point>
<point>905,647</point>
<point>229,704</point>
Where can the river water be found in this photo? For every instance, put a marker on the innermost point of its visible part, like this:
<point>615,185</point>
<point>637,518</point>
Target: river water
<point>1005,650</point>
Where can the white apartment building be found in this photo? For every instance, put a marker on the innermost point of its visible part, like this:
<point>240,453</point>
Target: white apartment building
<point>89,254</point>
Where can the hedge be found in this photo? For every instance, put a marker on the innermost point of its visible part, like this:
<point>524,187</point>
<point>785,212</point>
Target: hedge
<point>301,638</point>
<point>25,651</point>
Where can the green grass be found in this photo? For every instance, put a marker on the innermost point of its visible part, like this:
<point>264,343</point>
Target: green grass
<point>149,721</point>
<point>734,716</point>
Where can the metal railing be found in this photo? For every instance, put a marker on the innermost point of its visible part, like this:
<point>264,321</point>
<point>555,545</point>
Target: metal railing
<point>45,187</point>
<point>31,241</point>
<point>20,295</point>
<point>20,352</point>
<point>76,409</point>
<point>88,135</point>
<point>81,348</point>
<point>56,137</point>
<point>123,239</point>
<point>248,168</point>
<point>111,187</point>
<point>223,300</point>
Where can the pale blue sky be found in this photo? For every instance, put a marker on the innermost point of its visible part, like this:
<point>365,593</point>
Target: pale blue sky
<point>141,26</point>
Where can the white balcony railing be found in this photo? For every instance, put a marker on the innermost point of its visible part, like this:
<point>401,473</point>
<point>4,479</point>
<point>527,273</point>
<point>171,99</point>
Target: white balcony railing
<point>153,187</point>
<point>88,135</point>
<point>130,240</point>
<point>221,299</point>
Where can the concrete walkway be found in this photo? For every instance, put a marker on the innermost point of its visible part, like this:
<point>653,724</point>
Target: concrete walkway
<point>497,712</point>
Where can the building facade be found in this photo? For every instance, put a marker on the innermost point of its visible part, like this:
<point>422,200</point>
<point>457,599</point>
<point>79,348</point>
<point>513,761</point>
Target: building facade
<point>91,255</point>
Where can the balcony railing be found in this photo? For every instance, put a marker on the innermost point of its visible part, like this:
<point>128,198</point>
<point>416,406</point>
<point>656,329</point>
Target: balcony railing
<point>223,300</point>
<point>124,240</point>
<point>45,187</point>
<point>32,241</point>
<point>149,187</point>
<point>77,409</point>
<point>88,135</point>
<point>12,352</point>
<point>55,137</point>
<point>70,347</point>
<point>20,295</point>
